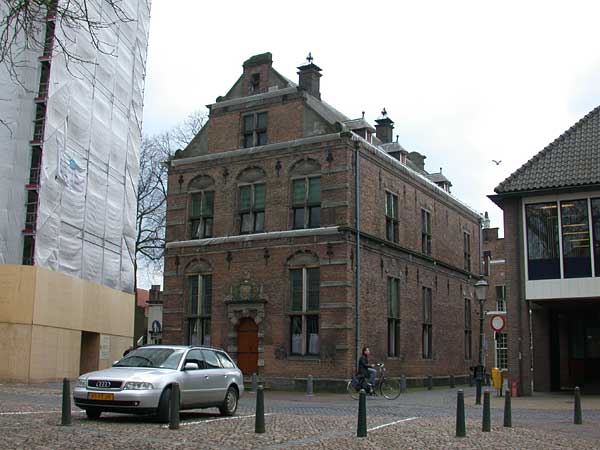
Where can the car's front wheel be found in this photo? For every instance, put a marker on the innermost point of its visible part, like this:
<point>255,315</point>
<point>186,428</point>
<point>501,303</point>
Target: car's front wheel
<point>230,403</point>
<point>93,413</point>
<point>164,405</point>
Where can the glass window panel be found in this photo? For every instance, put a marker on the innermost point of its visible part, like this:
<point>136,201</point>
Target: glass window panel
<point>193,332</point>
<point>296,335</point>
<point>296,289</point>
<point>314,190</point>
<point>193,294</point>
<point>314,283</point>
<point>298,217</point>
<point>248,140</point>
<point>261,138</point>
<point>259,196</point>
<point>315,217</point>
<point>575,239</point>
<point>542,241</point>
<point>246,226</point>
<point>225,361</point>
<point>312,335</point>
<point>208,228</point>
<point>298,194</point>
<point>248,123</point>
<point>195,229</point>
<point>261,120</point>
<point>245,197</point>
<point>196,205</point>
<point>207,205</point>
<point>260,222</point>
<point>205,331</point>
<point>596,233</point>
<point>206,294</point>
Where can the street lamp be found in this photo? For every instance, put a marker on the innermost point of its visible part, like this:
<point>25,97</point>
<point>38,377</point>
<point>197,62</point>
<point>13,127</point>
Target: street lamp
<point>480,292</point>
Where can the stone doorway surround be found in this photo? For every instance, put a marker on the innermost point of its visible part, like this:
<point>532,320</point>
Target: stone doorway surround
<point>246,299</point>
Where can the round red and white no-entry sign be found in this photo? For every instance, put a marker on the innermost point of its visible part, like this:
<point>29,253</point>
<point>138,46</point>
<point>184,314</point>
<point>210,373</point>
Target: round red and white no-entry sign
<point>498,322</point>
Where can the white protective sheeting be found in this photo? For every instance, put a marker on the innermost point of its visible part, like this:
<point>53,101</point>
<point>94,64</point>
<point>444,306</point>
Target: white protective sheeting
<point>87,207</point>
<point>17,112</point>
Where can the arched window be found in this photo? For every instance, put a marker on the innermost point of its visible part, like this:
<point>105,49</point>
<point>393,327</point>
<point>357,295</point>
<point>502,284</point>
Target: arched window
<point>198,306</point>
<point>306,194</point>
<point>304,282</point>
<point>251,200</point>
<point>200,207</point>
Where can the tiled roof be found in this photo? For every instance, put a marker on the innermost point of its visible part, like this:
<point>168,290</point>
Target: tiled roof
<point>573,159</point>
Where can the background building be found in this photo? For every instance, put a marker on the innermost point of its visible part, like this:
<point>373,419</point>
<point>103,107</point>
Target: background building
<point>552,247</point>
<point>262,240</point>
<point>69,180</point>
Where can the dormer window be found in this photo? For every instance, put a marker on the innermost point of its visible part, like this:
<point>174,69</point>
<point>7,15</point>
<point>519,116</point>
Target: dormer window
<point>255,129</point>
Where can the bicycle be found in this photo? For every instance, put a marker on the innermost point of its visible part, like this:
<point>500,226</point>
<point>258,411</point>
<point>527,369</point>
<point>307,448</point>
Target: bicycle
<point>387,387</point>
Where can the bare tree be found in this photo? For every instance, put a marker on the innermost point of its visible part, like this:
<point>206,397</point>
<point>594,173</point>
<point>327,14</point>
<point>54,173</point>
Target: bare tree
<point>31,25</point>
<point>155,152</point>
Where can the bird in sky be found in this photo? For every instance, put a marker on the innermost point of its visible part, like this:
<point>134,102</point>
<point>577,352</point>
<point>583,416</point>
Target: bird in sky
<point>497,162</point>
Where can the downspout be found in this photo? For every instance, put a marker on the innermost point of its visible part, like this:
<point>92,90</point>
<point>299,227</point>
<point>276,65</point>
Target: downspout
<point>357,250</point>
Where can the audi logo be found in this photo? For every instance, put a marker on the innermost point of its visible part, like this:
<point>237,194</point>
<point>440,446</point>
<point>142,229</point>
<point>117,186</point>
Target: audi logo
<point>102,384</point>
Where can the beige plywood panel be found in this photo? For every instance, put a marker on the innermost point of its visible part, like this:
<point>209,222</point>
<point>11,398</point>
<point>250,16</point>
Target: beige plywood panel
<point>15,344</point>
<point>67,302</point>
<point>118,344</point>
<point>17,289</point>
<point>54,354</point>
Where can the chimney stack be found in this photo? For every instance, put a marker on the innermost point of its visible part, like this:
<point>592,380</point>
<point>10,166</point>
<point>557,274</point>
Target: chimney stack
<point>308,77</point>
<point>384,128</point>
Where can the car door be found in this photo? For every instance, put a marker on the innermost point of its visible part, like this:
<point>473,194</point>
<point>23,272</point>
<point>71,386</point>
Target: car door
<point>192,382</point>
<point>217,376</point>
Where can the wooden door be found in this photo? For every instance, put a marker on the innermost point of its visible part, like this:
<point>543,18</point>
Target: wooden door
<point>247,345</point>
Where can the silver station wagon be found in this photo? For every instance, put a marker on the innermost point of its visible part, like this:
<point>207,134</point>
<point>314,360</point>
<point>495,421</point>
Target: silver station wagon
<point>141,382</point>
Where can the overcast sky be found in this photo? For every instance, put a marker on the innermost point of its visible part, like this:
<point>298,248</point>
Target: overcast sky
<point>464,81</point>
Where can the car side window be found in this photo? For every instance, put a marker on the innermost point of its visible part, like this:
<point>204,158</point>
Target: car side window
<point>211,359</point>
<point>225,361</point>
<point>195,356</point>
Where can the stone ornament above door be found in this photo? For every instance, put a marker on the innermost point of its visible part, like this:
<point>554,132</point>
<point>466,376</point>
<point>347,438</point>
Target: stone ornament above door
<point>247,290</point>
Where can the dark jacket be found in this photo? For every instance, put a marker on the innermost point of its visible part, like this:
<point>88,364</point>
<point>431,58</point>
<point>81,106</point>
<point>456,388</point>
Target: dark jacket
<point>363,366</point>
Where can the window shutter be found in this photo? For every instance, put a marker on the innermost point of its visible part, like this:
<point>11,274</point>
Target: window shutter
<point>207,206</point>
<point>245,197</point>
<point>314,190</point>
<point>259,196</point>
<point>296,289</point>
<point>314,282</point>
<point>298,192</point>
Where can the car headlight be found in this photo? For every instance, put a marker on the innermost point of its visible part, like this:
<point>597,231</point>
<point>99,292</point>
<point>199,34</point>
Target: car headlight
<point>81,383</point>
<point>134,385</point>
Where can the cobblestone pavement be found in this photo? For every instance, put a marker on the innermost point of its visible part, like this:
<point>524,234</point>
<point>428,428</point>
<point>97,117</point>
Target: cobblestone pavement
<point>30,417</point>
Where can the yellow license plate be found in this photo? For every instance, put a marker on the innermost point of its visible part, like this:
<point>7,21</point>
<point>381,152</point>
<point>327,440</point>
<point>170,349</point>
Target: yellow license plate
<point>97,396</point>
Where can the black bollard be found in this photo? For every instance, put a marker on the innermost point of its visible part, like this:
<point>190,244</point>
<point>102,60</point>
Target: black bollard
<point>429,383</point>
<point>403,383</point>
<point>259,424</point>
<point>361,429</point>
<point>254,382</point>
<point>486,426</point>
<point>452,382</point>
<point>66,419</point>
<point>461,430</point>
<point>309,386</point>
<point>507,410</point>
<point>577,420</point>
<point>478,391</point>
<point>174,407</point>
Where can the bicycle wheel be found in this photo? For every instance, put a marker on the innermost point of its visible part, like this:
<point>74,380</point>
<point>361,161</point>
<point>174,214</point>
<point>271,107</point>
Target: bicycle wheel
<point>390,389</point>
<point>353,392</point>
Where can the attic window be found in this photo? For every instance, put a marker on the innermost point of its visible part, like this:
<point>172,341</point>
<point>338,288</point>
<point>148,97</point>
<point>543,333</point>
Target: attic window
<point>255,129</point>
<point>255,82</point>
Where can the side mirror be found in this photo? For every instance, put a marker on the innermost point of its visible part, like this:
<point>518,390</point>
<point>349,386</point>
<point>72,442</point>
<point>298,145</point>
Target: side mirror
<point>190,366</point>
<point>115,361</point>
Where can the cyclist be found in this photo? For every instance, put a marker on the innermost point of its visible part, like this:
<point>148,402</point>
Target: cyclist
<point>365,370</point>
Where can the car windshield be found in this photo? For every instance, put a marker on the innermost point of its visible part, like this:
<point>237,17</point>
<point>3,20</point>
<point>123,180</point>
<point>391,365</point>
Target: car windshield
<point>163,358</point>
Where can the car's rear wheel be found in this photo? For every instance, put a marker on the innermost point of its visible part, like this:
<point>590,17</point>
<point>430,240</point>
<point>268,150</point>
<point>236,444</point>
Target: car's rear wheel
<point>93,413</point>
<point>164,405</point>
<point>230,403</point>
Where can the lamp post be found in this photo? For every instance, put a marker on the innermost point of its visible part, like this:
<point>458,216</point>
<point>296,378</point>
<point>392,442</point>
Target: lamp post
<point>480,292</point>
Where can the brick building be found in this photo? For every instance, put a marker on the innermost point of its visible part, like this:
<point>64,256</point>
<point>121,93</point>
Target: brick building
<point>552,248</point>
<point>261,255</point>
<point>494,268</point>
